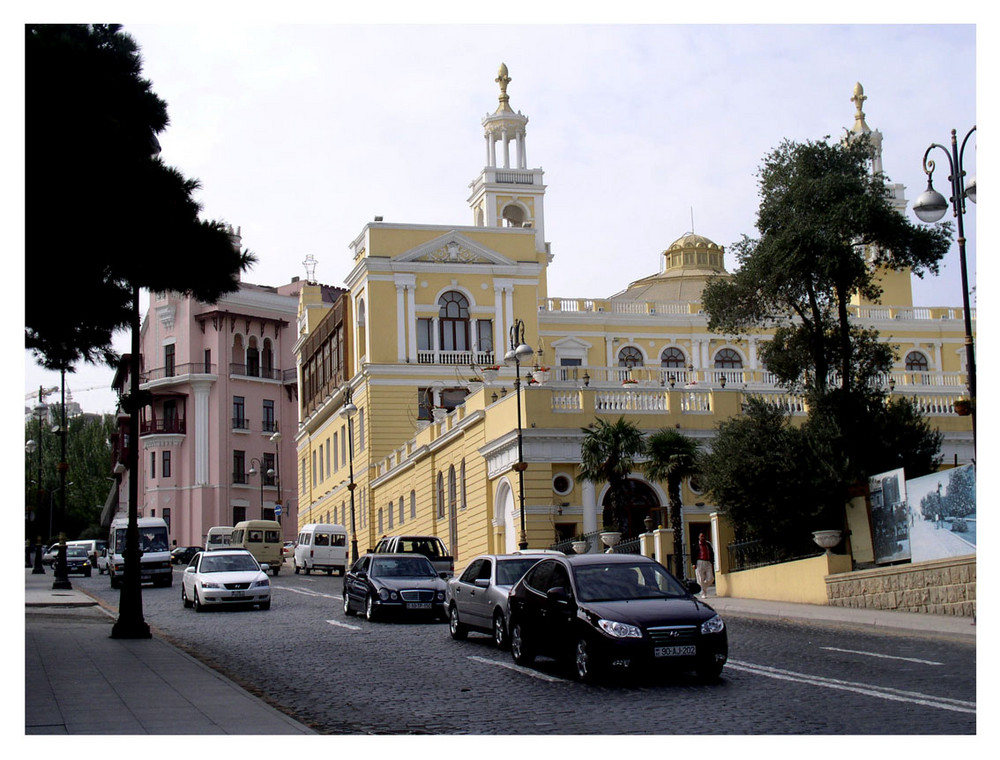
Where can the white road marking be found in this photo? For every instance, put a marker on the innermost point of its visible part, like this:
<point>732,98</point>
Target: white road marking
<point>308,592</point>
<point>518,669</point>
<point>871,690</point>
<point>883,656</point>
<point>348,626</point>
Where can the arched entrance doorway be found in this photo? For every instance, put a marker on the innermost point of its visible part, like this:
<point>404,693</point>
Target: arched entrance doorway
<point>641,501</point>
<point>505,511</point>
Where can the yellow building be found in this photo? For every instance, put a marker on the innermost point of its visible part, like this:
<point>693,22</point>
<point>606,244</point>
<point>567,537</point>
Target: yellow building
<point>415,350</point>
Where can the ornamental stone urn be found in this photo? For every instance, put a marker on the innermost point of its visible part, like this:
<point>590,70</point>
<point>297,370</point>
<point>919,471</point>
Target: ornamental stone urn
<point>827,539</point>
<point>580,547</point>
<point>610,538</point>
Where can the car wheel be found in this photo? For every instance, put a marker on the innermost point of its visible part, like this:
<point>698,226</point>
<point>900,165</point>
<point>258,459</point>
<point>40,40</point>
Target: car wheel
<point>455,628</point>
<point>184,598</point>
<point>709,671</point>
<point>275,570</point>
<point>198,606</point>
<point>584,662</point>
<point>115,581</point>
<point>330,571</point>
<point>88,573</point>
<point>370,613</point>
<point>500,637</point>
<point>265,605</point>
<point>347,605</point>
<point>307,569</point>
<point>519,648</point>
<point>296,566</point>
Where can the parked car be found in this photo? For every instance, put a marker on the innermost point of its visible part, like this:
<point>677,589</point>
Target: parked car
<point>379,584</point>
<point>477,599</point>
<point>224,577</point>
<point>611,612</point>
<point>50,555</point>
<point>102,561</point>
<point>78,561</point>
<point>181,555</point>
<point>431,547</point>
<point>288,550</point>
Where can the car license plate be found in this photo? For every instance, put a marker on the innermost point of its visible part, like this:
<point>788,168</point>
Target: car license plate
<point>238,593</point>
<point>418,606</point>
<point>685,651</point>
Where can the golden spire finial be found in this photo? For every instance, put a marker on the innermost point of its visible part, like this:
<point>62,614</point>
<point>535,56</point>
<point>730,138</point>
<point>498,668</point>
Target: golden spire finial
<point>503,80</point>
<point>859,117</point>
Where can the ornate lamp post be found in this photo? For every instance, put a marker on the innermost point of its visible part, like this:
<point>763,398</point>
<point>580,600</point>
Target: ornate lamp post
<point>257,468</point>
<point>276,440</point>
<point>349,410</point>
<point>519,352</point>
<point>930,207</point>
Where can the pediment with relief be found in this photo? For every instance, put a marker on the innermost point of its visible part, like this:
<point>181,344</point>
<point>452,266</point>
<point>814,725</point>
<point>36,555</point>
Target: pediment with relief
<point>454,248</point>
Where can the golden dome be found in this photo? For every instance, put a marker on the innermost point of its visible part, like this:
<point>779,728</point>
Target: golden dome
<point>693,241</point>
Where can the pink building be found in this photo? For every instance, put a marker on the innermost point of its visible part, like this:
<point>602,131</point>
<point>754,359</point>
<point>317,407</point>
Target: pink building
<point>217,439</point>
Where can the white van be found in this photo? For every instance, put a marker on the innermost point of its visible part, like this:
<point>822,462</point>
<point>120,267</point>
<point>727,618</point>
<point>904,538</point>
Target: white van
<point>218,537</point>
<point>321,547</point>
<point>93,546</point>
<point>154,545</point>
<point>262,538</point>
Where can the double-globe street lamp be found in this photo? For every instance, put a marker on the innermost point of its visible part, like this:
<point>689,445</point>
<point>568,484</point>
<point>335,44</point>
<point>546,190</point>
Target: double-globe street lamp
<point>276,440</point>
<point>348,410</point>
<point>257,468</point>
<point>519,352</point>
<point>930,206</point>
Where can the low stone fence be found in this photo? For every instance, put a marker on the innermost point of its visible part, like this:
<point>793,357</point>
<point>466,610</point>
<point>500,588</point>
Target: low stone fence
<point>942,587</point>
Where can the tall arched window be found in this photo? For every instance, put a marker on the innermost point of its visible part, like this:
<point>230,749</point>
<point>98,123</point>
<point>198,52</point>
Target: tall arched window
<point>440,494</point>
<point>672,358</point>
<point>253,358</point>
<point>454,321</point>
<point>630,357</point>
<point>727,358</point>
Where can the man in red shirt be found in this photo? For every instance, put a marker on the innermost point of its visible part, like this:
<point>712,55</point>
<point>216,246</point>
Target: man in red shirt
<point>704,568</point>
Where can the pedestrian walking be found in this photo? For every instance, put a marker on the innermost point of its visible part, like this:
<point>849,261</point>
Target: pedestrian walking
<point>704,568</point>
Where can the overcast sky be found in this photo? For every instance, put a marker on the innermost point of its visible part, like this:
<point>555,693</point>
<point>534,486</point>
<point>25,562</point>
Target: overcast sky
<point>301,134</point>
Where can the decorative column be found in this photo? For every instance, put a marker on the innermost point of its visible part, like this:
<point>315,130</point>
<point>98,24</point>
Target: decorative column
<point>589,507</point>
<point>400,322</point>
<point>201,390</point>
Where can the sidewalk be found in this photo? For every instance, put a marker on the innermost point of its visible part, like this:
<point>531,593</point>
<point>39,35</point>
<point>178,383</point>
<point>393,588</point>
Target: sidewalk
<point>78,680</point>
<point>949,626</point>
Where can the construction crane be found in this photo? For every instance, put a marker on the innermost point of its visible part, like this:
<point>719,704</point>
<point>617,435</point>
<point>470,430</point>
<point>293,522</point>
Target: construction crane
<point>41,393</point>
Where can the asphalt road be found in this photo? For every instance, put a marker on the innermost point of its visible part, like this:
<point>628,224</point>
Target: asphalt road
<point>344,675</point>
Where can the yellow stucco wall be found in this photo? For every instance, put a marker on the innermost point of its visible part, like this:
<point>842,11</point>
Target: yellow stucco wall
<point>800,581</point>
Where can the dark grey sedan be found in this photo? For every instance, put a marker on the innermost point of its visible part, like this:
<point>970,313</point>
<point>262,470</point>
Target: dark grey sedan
<point>382,584</point>
<point>477,599</point>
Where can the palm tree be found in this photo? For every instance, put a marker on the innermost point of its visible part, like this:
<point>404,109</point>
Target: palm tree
<point>608,454</point>
<point>672,457</point>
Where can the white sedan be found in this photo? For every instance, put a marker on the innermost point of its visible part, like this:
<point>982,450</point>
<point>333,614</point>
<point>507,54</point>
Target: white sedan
<point>225,576</point>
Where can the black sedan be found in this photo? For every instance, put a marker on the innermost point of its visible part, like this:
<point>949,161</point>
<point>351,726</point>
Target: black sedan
<point>613,612</point>
<point>182,555</point>
<point>380,584</point>
<point>78,561</point>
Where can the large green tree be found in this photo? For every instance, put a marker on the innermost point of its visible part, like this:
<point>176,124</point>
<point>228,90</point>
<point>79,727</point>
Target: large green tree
<point>102,216</point>
<point>827,228</point>
<point>608,455</point>
<point>672,456</point>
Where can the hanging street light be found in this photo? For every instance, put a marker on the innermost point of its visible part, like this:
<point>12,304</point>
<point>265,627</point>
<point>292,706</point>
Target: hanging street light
<point>518,353</point>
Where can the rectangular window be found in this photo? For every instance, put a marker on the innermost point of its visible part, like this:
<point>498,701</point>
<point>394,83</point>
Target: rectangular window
<point>239,413</point>
<point>361,429</point>
<point>239,466</point>
<point>166,464</point>
<point>328,447</point>
<point>302,476</point>
<point>268,473</point>
<point>314,468</point>
<point>169,361</point>
<point>336,451</point>
<point>343,443</point>
<point>208,361</point>
<point>424,328</point>
<point>267,420</point>
<point>239,515</point>
<point>171,422</point>
<point>484,334</point>
<point>152,465</point>
<point>401,510</point>
<point>321,463</point>
<point>166,518</point>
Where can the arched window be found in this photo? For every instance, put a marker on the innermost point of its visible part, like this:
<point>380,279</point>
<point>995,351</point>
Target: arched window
<point>728,359</point>
<point>253,359</point>
<point>513,216</point>
<point>454,321</point>
<point>630,357</point>
<point>916,362</point>
<point>267,358</point>
<point>440,494</point>
<point>672,358</point>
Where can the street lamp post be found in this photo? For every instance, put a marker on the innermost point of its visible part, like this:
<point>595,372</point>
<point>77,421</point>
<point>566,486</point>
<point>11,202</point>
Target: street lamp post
<point>519,352</point>
<point>349,410</point>
<point>257,468</point>
<point>276,440</point>
<point>930,206</point>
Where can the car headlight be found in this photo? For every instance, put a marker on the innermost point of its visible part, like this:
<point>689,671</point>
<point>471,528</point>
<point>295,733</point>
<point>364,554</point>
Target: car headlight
<point>440,596</point>
<point>713,625</point>
<point>209,584</point>
<point>383,594</point>
<point>262,583</point>
<point>619,630</point>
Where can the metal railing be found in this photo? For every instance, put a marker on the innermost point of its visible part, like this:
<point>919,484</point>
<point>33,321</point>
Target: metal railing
<point>173,426</point>
<point>253,370</point>
<point>176,370</point>
<point>747,555</point>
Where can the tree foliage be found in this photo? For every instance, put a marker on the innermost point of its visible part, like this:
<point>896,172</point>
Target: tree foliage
<point>607,455</point>
<point>672,456</point>
<point>827,228</point>
<point>112,216</point>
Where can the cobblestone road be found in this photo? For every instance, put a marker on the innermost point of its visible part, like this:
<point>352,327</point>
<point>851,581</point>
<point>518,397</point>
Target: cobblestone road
<point>346,675</point>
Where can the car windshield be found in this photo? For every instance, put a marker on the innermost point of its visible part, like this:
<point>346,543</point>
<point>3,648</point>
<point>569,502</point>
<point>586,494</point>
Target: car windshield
<point>232,563</point>
<point>76,551</point>
<point>612,581</point>
<point>402,567</point>
<point>509,571</point>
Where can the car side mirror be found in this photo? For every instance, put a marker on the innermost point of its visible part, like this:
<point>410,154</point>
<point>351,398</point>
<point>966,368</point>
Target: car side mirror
<point>444,575</point>
<point>264,567</point>
<point>482,582</point>
<point>362,575</point>
<point>693,587</point>
<point>189,569</point>
<point>558,594</point>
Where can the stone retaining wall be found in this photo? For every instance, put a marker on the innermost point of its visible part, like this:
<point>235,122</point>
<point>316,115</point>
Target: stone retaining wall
<point>942,587</point>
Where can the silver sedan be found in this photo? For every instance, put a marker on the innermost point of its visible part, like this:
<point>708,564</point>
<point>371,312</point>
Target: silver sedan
<point>477,599</point>
<point>224,577</point>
